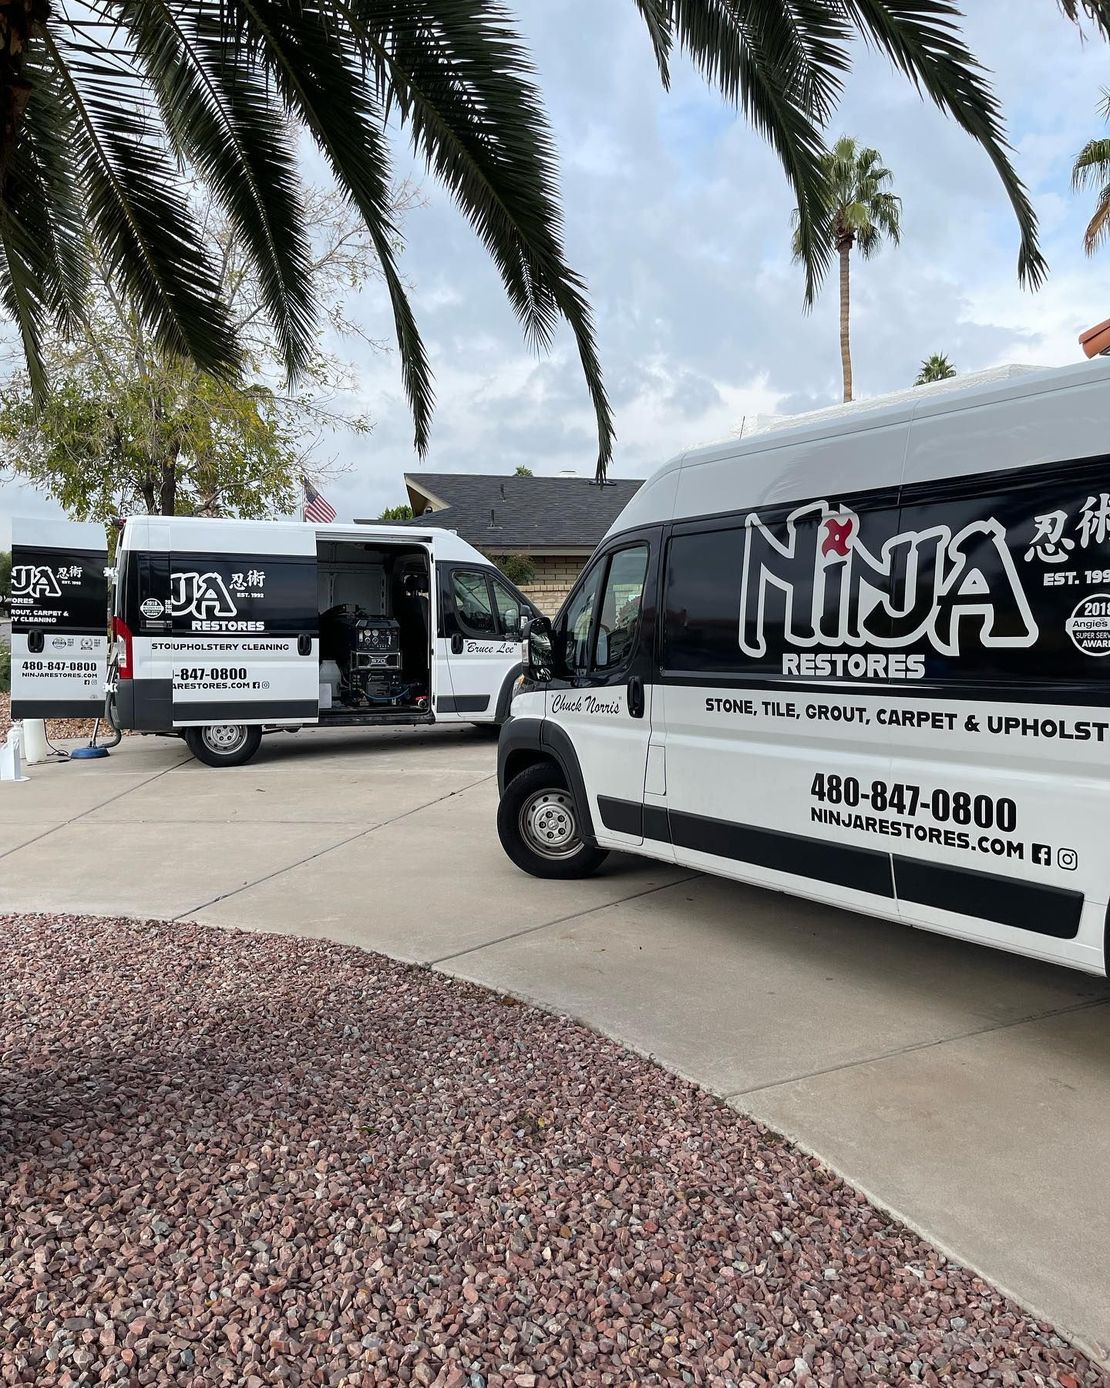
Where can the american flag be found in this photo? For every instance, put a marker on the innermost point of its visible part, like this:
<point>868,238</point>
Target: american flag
<point>316,507</point>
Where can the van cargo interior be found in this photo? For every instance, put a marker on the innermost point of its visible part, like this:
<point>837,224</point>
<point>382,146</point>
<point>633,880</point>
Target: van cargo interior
<point>375,642</point>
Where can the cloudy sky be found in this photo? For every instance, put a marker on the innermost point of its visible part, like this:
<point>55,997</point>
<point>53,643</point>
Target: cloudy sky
<point>679,218</point>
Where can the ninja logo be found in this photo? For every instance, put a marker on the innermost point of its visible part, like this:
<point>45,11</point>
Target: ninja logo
<point>822,587</point>
<point>203,596</point>
<point>34,581</point>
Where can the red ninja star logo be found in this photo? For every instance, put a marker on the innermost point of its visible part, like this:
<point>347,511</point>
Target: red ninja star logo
<point>837,535</point>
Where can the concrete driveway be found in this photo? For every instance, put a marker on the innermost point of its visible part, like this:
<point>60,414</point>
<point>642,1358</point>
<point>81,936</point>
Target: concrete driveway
<point>966,1091</point>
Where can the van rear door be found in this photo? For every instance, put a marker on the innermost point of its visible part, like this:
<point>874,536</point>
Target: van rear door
<point>241,643</point>
<point>59,618</point>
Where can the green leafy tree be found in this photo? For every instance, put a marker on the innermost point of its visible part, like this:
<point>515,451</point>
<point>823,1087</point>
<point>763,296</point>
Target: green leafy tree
<point>517,568</point>
<point>860,211</point>
<point>522,471</point>
<point>106,109</point>
<point>5,576</point>
<point>1092,169</point>
<point>128,427</point>
<point>396,513</point>
<point>936,367</point>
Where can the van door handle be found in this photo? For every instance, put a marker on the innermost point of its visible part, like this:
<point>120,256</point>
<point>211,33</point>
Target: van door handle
<point>456,644</point>
<point>304,644</point>
<point>36,641</point>
<point>636,696</point>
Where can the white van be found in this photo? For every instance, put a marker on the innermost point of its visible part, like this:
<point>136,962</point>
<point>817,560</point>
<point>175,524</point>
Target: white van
<point>224,628</point>
<point>864,659</point>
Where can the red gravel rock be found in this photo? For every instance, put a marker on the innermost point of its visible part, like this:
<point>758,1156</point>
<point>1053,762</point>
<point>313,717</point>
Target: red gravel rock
<point>251,1160</point>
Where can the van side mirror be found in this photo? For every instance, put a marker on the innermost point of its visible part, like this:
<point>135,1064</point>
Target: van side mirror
<point>540,649</point>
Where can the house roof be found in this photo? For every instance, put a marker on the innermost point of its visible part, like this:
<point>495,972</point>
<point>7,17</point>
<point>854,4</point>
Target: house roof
<point>499,513</point>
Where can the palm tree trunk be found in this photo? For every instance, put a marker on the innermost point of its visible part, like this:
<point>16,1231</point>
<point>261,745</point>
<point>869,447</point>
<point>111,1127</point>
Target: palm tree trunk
<point>845,314</point>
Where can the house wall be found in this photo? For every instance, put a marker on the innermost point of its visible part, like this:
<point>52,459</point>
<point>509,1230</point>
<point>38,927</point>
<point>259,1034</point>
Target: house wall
<point>555,576</point>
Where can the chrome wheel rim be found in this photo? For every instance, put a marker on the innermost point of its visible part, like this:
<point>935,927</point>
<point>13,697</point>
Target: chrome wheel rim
<point>224,738</point>
<point>548,824</point>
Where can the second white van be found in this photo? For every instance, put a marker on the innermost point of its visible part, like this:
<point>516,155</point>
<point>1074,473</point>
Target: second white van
<point>223,629</point>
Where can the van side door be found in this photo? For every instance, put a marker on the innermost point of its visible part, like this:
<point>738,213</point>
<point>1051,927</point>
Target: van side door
<point>775,737</point>
<point>601,699</point>
<point>59,594</point>
<point>478,642</point>
<point>242,644</point>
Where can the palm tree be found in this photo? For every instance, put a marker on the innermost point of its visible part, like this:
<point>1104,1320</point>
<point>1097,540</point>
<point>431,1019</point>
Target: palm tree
<point>859,213</point>
<point>936,367</point>
<point>109,107</point>
<point>1092,166</point>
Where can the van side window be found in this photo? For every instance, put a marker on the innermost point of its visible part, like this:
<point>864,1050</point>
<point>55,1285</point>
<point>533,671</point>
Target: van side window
<point>472,603</point>
<point>620,608</point>
<point>702,601</point>
<point>577,623</point>
<point>508,608</point>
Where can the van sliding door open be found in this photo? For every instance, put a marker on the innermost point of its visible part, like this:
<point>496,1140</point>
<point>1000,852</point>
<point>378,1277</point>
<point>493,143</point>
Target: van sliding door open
<point>59,619</point>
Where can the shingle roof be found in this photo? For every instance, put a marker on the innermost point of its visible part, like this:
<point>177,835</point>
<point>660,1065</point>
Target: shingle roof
<point>496,512</point>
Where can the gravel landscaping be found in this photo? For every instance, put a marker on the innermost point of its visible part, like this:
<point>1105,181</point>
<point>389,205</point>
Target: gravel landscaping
<point>252,1160</point>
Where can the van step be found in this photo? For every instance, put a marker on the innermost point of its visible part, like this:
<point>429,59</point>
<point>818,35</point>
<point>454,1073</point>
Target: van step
<point>331,718</point>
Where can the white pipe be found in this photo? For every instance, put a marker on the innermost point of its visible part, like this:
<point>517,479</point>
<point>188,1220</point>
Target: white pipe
<point>34,741</point>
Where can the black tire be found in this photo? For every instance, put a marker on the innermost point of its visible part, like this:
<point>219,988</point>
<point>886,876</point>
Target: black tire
<point>537,823</point>
<point>223,744</point>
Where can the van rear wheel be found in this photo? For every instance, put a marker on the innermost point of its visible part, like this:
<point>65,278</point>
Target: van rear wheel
<point>223,744</point>
<point>538,825</point>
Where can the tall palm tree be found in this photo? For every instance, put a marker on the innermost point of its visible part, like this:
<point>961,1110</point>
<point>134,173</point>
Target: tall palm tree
<point>860,212</point>
<point>1092,166</point>
<point>107,107</point>
<point>936,367</point>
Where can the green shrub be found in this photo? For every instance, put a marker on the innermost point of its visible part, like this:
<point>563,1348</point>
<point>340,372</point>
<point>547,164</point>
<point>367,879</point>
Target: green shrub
<point>517,568</point>
<point>5,669</point>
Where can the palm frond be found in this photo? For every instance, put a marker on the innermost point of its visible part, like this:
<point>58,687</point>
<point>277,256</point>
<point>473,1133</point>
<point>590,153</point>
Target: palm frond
<point>317,82</point>
<point>24,298</point>
<point>461,82</point>
<point>135,210</point>
<point>1097,11</point>
<point>1091,163</point>
<point>656,15</point>
<point>46,198</point>
<point>1099,225</point>
<point>222,118</point>
<point>922,37</point>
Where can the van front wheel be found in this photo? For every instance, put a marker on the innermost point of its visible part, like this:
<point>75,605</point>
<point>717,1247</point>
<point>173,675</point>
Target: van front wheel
<point>223,744</point>
<point>537,823</point>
